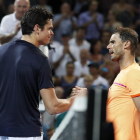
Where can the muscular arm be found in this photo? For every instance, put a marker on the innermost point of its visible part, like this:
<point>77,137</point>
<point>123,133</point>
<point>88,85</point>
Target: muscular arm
<point>54,105</point>
<point>73,23</point>
<point>137,102</point>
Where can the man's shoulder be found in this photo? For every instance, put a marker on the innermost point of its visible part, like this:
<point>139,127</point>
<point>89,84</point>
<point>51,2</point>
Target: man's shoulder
<point>87,44</point>
<point>73,48</point>
<point>84,14</point>
<point>7,17</point>
<point>2,47</point>
<point>77,63</point>
<point>102,79</point>
<point>72,41</point>
<point>132,69</point>
<point>57,16</point>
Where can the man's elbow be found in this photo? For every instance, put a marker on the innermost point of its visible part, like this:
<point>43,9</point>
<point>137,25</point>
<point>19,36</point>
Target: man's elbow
<point>53,110</point>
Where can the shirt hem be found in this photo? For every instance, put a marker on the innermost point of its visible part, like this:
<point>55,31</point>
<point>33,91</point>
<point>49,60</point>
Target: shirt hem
<point>26,135</point>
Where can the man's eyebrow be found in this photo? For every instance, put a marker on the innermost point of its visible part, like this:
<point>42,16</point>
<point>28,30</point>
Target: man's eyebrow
<point>111,41</point>
<point>51,27</point>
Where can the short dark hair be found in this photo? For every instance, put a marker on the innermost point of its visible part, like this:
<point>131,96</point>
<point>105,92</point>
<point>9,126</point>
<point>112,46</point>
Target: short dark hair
<point>80,28</point>
<point>128,34</point>
<point>93,65</point>
<point>33,16</point>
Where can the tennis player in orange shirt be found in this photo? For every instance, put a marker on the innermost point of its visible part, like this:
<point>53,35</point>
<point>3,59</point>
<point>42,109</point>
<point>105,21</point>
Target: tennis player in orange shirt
<point>123,104</point>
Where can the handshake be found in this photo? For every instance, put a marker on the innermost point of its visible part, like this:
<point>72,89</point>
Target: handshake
<point>78,91</point>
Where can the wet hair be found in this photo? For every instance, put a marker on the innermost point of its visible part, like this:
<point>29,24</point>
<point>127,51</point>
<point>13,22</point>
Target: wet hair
<point>128,34</point>
<point>33,16</point>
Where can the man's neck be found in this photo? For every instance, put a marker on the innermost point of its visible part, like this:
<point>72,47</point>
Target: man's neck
<point>79,42</point>
<point>83,62</point>
<point>18,18</point>
<point>30,39</point>
<point>127,61</point>
<point>95,76</point>
<point>92,12</point>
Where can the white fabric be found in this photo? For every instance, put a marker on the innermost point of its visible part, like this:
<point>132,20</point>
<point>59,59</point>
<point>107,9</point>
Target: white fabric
<point>8,25</point>
<point>79,69</point>
<point>21,138</point>
<point>55,45</point>
<point>99,81</point>
<point>85,45</point>
<point>61,70</point>
<point>44,49</point>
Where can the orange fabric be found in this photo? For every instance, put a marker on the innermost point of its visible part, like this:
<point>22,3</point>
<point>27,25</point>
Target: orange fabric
<point>121,110</point>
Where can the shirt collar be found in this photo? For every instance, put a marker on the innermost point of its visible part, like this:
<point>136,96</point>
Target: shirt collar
<point>14,17</point>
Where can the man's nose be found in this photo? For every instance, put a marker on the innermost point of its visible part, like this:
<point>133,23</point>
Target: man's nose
<point>108,46</point>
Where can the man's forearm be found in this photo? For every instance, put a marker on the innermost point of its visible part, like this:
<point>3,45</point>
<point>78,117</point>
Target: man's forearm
<point>63,105</point>
<point>6,38</point>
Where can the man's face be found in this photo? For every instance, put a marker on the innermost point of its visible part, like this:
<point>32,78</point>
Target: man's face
<point>44,36</point>
<point>20,7</point>
<point>94,6</point>
<point>93,71</point>
<point>105,36</point>
<point>65,8</point>
<point>115,48</point>
<point>80,34</point>
<point>84,54</point>
<point>70,69</point>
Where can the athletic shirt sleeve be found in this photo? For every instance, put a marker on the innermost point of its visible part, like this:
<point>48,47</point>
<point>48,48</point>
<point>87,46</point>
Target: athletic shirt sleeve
<point>133,83</point>
<point>45,75</point>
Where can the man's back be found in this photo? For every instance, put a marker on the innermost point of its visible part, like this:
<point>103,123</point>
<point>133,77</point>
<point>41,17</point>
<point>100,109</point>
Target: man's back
<point>22,68</point>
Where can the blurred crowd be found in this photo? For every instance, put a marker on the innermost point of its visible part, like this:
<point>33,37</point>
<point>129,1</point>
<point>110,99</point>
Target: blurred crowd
<point>77,52</point>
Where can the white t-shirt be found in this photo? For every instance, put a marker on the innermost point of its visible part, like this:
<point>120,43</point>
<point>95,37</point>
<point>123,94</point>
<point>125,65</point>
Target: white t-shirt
<point>99,81</point>
<point>55,45</point>
<point>79,69</point>
<point>61,70</point>
<point>85,45</point>
<point>8,25</point>
<point>49,53</point>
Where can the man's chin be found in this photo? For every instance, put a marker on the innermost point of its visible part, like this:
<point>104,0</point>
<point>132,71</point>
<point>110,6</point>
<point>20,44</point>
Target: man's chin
<point>46,43</point>
<point>114,59</point>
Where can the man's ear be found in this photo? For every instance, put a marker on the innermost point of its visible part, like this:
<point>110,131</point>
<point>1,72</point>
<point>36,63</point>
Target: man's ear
<point>127,44</point>
<point>36,29</point>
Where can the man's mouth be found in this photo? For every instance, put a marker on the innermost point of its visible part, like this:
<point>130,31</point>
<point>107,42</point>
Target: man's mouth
<point>111,52</point>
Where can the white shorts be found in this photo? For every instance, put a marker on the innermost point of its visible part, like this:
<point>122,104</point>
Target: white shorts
<point>21,138</point>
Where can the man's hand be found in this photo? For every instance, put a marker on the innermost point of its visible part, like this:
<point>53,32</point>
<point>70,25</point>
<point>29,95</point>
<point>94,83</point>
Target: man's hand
<point>79,91</point>
<point>66,50</point>
<point>17,28</point>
